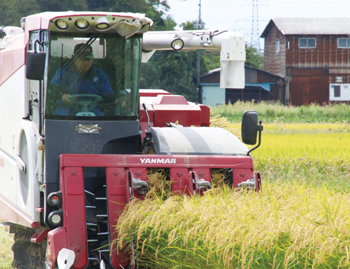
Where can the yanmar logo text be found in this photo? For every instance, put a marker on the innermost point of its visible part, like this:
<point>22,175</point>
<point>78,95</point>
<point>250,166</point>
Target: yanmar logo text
<point>157,160</point>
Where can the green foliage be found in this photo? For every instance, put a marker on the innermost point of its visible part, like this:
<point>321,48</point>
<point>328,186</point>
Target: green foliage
<point>12,11</point>
<point>153,9</point>
<point>62,5</point>
<point>173,71</point>
<point>280,113</point>
<point>6,255</point>
<point>254,58</point>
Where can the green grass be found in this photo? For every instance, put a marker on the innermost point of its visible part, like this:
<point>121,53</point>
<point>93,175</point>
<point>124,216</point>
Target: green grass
<point>6,241</point>
<point>269,113</point>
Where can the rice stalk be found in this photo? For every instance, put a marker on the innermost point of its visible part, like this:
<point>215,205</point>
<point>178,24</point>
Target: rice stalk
<point>286,226</point>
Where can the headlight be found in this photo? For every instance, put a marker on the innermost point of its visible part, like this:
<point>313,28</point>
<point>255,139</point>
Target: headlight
<point>61,24</point>
<point>56,218</point>
<point>177,44</point>
<point>82,23</point>
<point>102,23</point>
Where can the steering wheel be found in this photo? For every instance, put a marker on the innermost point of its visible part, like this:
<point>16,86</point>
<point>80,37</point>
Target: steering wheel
<point>86,101</point>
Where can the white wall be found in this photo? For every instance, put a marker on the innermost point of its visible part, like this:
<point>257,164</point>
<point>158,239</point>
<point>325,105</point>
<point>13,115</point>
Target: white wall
<point>344,92</point>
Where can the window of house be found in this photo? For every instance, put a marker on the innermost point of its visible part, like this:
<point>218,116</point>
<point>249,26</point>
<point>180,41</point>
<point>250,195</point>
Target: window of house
<point>307,42</point>
<point>277,45</point>
<point>343,42</point>
<point>336,90</point>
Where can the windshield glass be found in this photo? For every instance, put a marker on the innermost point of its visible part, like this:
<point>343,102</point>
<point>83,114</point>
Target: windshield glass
<point>93,75</point>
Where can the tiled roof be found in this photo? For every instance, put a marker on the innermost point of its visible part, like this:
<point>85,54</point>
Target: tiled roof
<point>310,26</point>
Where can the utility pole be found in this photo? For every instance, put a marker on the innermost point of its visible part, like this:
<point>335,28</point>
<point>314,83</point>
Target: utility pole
<point>199,25</point>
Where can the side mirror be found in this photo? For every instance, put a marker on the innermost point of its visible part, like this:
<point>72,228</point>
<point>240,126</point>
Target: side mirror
<point>250,127</point>
<point>35,65</point>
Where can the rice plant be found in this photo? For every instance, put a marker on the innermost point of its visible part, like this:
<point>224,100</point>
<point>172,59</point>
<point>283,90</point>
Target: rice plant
<point>285,226</point>
<point>300,220</point>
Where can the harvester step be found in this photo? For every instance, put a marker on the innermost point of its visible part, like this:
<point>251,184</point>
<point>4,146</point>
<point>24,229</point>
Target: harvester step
<point>104,250</point>
<point>89,193</point>
<point>90,206</point>
<point>92,240</point>
<point>104,233</point>
<point>93,259</point>
<point>101,198</point>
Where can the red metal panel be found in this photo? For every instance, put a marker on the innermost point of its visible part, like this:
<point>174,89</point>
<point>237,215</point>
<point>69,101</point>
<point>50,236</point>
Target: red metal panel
<point>118,188</point>
<point>157,161</point>
<point>203,173</point>
<point>205,116</point>
<point>140,173</point>
<point>117,193</point>
<point>74,219</point>
<point>170,100</point>
<point>182,181</point>
<point>39,235</point>
<point>186,115</point>
<point>56,240</point>
<point>241,175</point>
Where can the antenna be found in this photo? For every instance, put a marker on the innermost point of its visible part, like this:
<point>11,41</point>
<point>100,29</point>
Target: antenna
<point>254,36</point>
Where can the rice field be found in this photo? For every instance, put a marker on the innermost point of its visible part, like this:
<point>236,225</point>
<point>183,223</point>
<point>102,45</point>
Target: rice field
<point>301,218</point>
<point>285,226</point>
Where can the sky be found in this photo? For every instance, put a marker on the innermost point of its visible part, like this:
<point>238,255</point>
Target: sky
<point>236,15</point>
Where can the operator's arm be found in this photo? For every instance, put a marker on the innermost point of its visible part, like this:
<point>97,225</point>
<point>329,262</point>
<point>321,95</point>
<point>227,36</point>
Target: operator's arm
<point>56,87</point>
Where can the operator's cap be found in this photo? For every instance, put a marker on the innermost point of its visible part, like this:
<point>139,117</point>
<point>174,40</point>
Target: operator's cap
<point>84,51</point>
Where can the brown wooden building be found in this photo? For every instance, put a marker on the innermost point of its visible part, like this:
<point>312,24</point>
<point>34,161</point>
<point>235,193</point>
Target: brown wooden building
<point>259,86</point>
<point>313,55</point>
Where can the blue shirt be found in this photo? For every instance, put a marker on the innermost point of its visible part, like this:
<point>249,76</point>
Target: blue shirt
<point>73,83</point>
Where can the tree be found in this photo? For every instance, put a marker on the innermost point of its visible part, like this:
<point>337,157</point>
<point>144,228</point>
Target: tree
<point>13,11</point>
<point>254,58</point>
<point>173,71</point>
<point>62,5</point>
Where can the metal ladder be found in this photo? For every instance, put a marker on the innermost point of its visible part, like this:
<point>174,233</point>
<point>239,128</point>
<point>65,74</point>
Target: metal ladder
<point>94,227</point>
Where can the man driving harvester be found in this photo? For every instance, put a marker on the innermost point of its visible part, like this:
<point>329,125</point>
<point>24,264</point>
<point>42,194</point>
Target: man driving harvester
<point>82,78</point>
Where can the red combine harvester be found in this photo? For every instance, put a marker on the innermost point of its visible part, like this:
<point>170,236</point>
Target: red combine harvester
<point>75,132</point>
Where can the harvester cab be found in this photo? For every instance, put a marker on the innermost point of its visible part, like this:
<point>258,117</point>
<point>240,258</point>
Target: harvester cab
<point>79,137</point>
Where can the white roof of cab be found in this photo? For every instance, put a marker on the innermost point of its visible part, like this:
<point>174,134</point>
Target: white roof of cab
<point>42,20</point>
